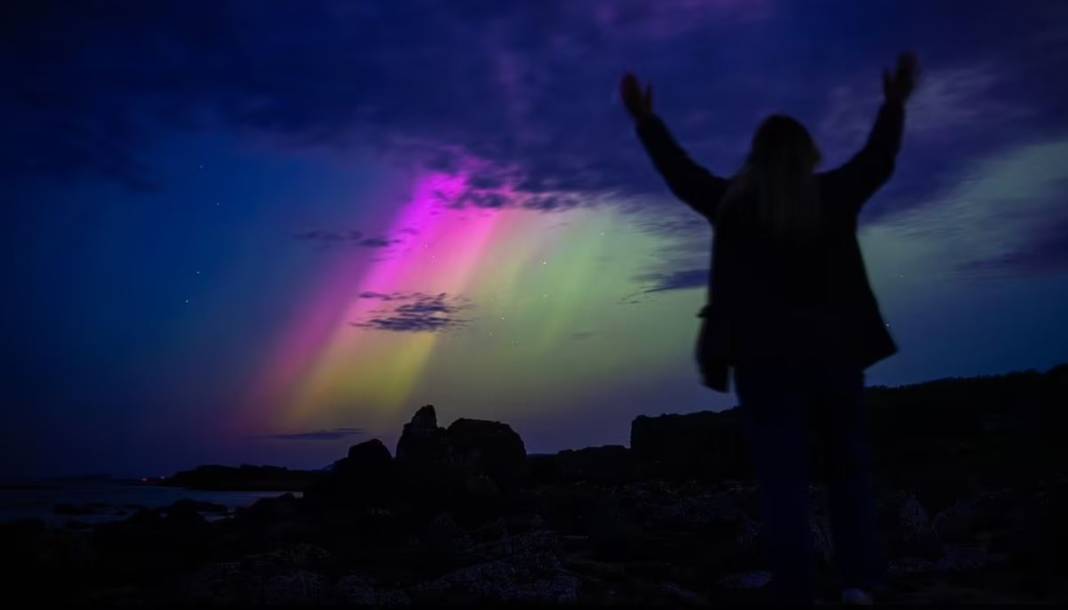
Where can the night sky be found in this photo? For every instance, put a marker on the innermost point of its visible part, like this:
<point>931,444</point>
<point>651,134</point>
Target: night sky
<point>263,231</point>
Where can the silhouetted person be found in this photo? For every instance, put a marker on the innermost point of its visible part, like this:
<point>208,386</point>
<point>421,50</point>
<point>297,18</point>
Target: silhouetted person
<point>791,310</point>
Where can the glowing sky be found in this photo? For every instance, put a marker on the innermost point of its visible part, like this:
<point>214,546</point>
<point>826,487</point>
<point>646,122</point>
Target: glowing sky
<point>260,232</point>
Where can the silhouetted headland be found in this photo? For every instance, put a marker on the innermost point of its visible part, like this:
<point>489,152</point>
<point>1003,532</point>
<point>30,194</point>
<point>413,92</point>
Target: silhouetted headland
<point>242,478</point>
<point>972,493</point>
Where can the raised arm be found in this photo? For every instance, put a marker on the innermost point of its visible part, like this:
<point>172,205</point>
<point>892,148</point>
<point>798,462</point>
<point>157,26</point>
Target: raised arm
<point>860,177</point>
<point>872,166</point>
<point>691,183</point>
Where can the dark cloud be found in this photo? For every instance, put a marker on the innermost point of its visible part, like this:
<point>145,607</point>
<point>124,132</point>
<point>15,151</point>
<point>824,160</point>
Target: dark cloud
<point>370,294</point>
<point>1045,253</point>
<point>352,237</point>
<point>480,199</point>
<point>547,202</point>
<point>675,280</point>
<point>376,242</point>
<point>530,88</point>
<point>329,236</point>
<point>332,434</point>
<point>685,224</point>
<point>417,312</point>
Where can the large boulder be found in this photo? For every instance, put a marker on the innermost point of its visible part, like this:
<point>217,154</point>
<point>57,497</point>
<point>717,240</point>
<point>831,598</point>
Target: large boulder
<point>705,445</point>
<point>466,467</point>
<point>154,542</point>
<point>427,478</point>
<point>422,441</point>
<point>366,476</point>
<point>487,447</point>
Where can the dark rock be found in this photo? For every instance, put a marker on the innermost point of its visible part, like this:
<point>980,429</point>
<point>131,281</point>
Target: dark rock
<point>245,478</point>
<point>542,469</point>
<point>568,508</point>
<point>1037,531</point>
<point>966,518</point>
<point>466,469</point>
<point>820,527</point>
<point>422,442</point>
<point>362,590</point>
<point>52,578</point>
<point>519,569</point>
<point>538,578</point>
<point>197,506</point>
<point>445,539</point>
<point>427,478</point>
<point>289,576</point>
<point>954,438</point>
<point>608,464</point>
<point>278,508</point>
<point>482,487</point>
<point>367,476</point>
<point>753,579</point>
<point>522,522</point>
<point>153,543</point>
<point>613,534</point>
<point>183,515</point>
<point>370,455</point>
<point>496,529</point>
<point>532,542</point>
<point>705,445</point>
<point>461,516</point>
<point>35,554</point>
<point>78,510</point>
<point>479,500</point>
<point>487,447</point>
<point>303,556</point>
<point>967,558</point>
<point>907,527</point>
<point>705,512</point>
<point>956,559</point>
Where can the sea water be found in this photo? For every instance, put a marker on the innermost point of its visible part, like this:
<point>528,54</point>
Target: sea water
<point>102,500</point>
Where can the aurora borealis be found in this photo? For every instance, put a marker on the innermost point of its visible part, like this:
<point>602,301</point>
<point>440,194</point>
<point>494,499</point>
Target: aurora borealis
<point>262,231</point>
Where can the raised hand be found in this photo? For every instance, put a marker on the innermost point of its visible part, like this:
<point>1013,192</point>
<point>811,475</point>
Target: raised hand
<point>638,104</point>
<point>897,87</point>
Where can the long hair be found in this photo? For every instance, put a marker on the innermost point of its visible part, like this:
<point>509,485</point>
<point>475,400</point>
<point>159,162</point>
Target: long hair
<point>776,182</point>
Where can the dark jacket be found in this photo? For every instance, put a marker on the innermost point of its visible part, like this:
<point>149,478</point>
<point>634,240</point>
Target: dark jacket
<point>802,301</point>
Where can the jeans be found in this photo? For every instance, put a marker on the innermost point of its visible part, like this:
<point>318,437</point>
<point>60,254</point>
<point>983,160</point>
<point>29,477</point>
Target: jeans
<point>781,403</point>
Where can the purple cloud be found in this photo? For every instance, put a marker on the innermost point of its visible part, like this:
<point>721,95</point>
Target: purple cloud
<point>418,312</point>
<point>352,237</point>
<point>675,280</point>
<point>317,435</point>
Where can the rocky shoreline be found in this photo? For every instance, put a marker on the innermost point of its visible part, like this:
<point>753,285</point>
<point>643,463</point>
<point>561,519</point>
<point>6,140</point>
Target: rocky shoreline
<point>241,478</point>
<point>972,489</point>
